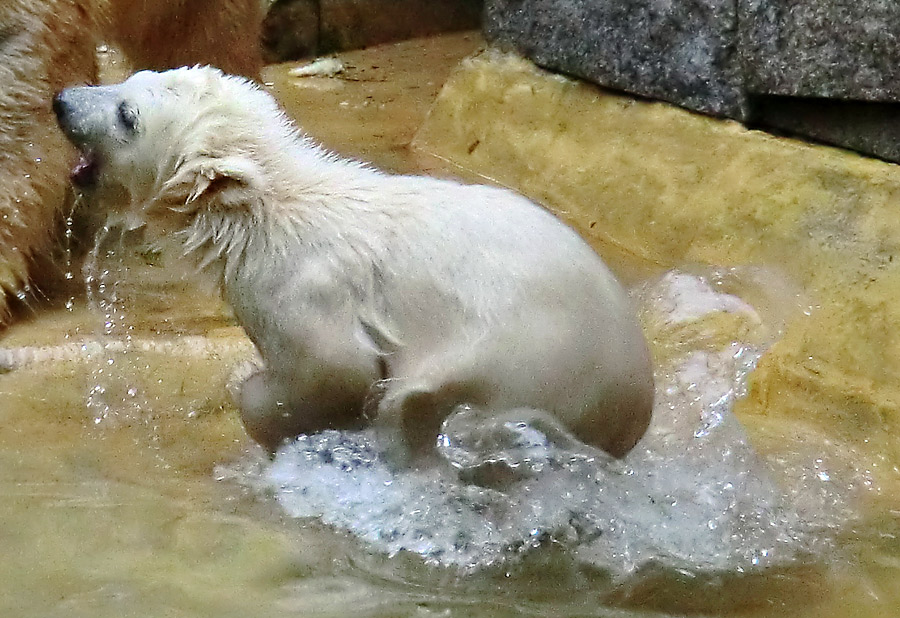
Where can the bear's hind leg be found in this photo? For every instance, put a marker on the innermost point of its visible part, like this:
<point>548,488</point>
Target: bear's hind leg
<point>410,415</point>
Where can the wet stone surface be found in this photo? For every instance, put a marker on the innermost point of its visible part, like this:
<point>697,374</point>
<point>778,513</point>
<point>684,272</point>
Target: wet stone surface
<point>296,29</point>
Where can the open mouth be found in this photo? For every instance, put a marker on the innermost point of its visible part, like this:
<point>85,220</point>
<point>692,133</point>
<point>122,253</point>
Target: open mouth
<point>86,170</point>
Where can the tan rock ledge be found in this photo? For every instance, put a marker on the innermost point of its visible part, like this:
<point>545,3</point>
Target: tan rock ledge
<point>655,187</point>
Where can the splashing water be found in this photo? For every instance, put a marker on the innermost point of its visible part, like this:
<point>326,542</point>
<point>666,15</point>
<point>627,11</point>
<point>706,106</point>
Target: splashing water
<point>69,240</point>
<point>692,495</point>
<point>111,395</point>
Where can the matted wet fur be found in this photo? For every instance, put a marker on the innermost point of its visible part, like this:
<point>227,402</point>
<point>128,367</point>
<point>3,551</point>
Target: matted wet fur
<point>353,284</point>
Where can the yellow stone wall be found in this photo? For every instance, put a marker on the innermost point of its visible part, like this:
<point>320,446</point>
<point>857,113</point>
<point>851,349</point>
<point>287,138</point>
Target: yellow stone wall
<point>655,187</point>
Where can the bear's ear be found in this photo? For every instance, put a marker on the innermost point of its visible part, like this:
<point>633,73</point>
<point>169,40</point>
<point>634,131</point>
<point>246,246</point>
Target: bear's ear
<point>215,182</point>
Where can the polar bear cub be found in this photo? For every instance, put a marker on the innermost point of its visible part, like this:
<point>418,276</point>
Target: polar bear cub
<point>370,296</point>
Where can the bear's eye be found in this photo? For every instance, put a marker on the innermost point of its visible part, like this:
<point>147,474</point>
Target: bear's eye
<point>128,117</point>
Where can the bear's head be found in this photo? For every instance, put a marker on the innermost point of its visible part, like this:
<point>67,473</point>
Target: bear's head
<point>188,138</point>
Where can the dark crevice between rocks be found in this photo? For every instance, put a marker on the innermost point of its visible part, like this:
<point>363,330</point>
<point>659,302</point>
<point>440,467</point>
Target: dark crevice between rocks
<point>295,29</point>
<point>866,127</point>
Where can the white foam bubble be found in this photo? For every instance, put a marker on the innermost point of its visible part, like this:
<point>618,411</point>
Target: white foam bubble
<point>690,298</point>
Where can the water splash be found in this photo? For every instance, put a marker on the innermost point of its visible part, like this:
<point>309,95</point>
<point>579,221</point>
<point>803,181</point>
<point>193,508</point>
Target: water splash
<point>111,396</point>
<point>693,496</point>
<point>68,243</point>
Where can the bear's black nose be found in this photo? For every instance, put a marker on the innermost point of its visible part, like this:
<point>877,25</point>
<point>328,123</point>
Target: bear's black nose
<point>60,107</point>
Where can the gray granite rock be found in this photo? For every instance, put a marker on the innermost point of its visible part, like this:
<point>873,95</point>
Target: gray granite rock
<point>806,68</point>
<point>682,51</point>
<point>845,49</point>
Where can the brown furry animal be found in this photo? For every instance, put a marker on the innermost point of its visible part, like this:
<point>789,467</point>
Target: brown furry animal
<point>46,45</point>
<point>43,46</point>
<point>161,34</point>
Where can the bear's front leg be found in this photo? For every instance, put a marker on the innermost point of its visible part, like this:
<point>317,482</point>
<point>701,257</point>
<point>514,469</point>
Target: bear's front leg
<point>264,408</point>
<point>278,405</point>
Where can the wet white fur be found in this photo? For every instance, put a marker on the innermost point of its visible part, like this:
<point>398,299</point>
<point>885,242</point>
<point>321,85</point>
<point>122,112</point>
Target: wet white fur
<point>410,293</point>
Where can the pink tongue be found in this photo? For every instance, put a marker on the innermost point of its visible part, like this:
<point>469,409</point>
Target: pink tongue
<point>85,171</point>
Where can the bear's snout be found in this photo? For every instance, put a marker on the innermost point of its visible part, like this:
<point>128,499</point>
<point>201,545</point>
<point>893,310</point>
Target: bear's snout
<point>63,110</point>
<point>60,106</point>
<point>85,113</point>
<point>74,108</point>
<point>67,108</point>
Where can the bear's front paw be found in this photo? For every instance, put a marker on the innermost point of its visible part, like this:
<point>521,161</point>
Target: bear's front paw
<point>239,376</point>
<point>267,418</point>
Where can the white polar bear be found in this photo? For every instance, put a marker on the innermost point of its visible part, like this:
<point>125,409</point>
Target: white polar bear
<point>367,293</point>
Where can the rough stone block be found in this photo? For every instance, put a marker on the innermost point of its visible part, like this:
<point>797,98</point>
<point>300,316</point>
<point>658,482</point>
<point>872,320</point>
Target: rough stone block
<point>682,51</point>
<point>842,49</point>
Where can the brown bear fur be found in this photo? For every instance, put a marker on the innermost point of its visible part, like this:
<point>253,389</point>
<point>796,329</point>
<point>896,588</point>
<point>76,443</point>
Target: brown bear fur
<point>161,34</point>
<point>43,47</point>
